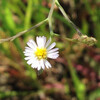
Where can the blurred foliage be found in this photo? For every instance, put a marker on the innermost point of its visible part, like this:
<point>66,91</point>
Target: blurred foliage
<point>74,75</point>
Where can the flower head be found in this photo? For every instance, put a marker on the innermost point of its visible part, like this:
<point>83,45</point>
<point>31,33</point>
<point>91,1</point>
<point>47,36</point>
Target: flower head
<point>37,53</point>
<point>87,40</point>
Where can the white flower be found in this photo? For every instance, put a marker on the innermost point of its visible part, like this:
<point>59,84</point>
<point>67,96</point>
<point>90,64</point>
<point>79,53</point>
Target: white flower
<point>37,53</point>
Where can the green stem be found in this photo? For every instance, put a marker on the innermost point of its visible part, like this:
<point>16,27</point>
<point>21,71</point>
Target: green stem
<point>50,17</point>
<point>67,39</point>
<point>23,32</point>
<point>67,18</point>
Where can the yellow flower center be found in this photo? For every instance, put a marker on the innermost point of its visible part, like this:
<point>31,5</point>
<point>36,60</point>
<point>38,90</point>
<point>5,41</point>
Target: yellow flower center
<point>41,53</point>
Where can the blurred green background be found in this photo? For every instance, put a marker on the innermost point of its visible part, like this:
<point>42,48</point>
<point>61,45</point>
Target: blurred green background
<point>75,75</point>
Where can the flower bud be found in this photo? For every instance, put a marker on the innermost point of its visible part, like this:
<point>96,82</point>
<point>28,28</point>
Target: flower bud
<point>87,40</point>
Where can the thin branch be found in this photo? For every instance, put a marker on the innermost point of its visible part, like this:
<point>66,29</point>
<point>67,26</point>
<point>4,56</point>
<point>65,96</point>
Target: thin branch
<point>23,32</point>
<point>67,39</point>
<point>50,17</point>
<point>67,18</point>
<point>84,39</point>
<point>51,10</point>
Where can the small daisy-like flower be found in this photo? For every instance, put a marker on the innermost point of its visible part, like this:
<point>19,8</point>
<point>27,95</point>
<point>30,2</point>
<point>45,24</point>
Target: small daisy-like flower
<point>37,53</point>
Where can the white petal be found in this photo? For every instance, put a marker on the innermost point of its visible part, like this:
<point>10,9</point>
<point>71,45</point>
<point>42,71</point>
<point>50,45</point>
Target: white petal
<point>27,58</point>
<point>52,56</point>
<point>44,41</point>
<point>39,67</point>
<point>30,45</point>
<point>41,41</point>
<point>38,41</point>
<point>53,50</point>
<point>28,48</point>
<point>53,53</point>
<point>34,44</point>
<point>47,64</point>
<point>42,63</point>
<point>34,64</point>
<point>28,51</point>
<point>28,54</point>
<point>51,46</point>
<point>48,42</point>
<point>30,61</point>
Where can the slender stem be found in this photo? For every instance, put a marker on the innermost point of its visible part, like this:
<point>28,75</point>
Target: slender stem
<point>51,10</point>
<point>23,32</point>
<point>67,18</point>
<point>67,39</point>
<point>50,17</point>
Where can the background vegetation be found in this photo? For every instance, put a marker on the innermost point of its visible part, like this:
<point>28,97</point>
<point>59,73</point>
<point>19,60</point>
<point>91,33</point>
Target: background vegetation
<point>75,75</point>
